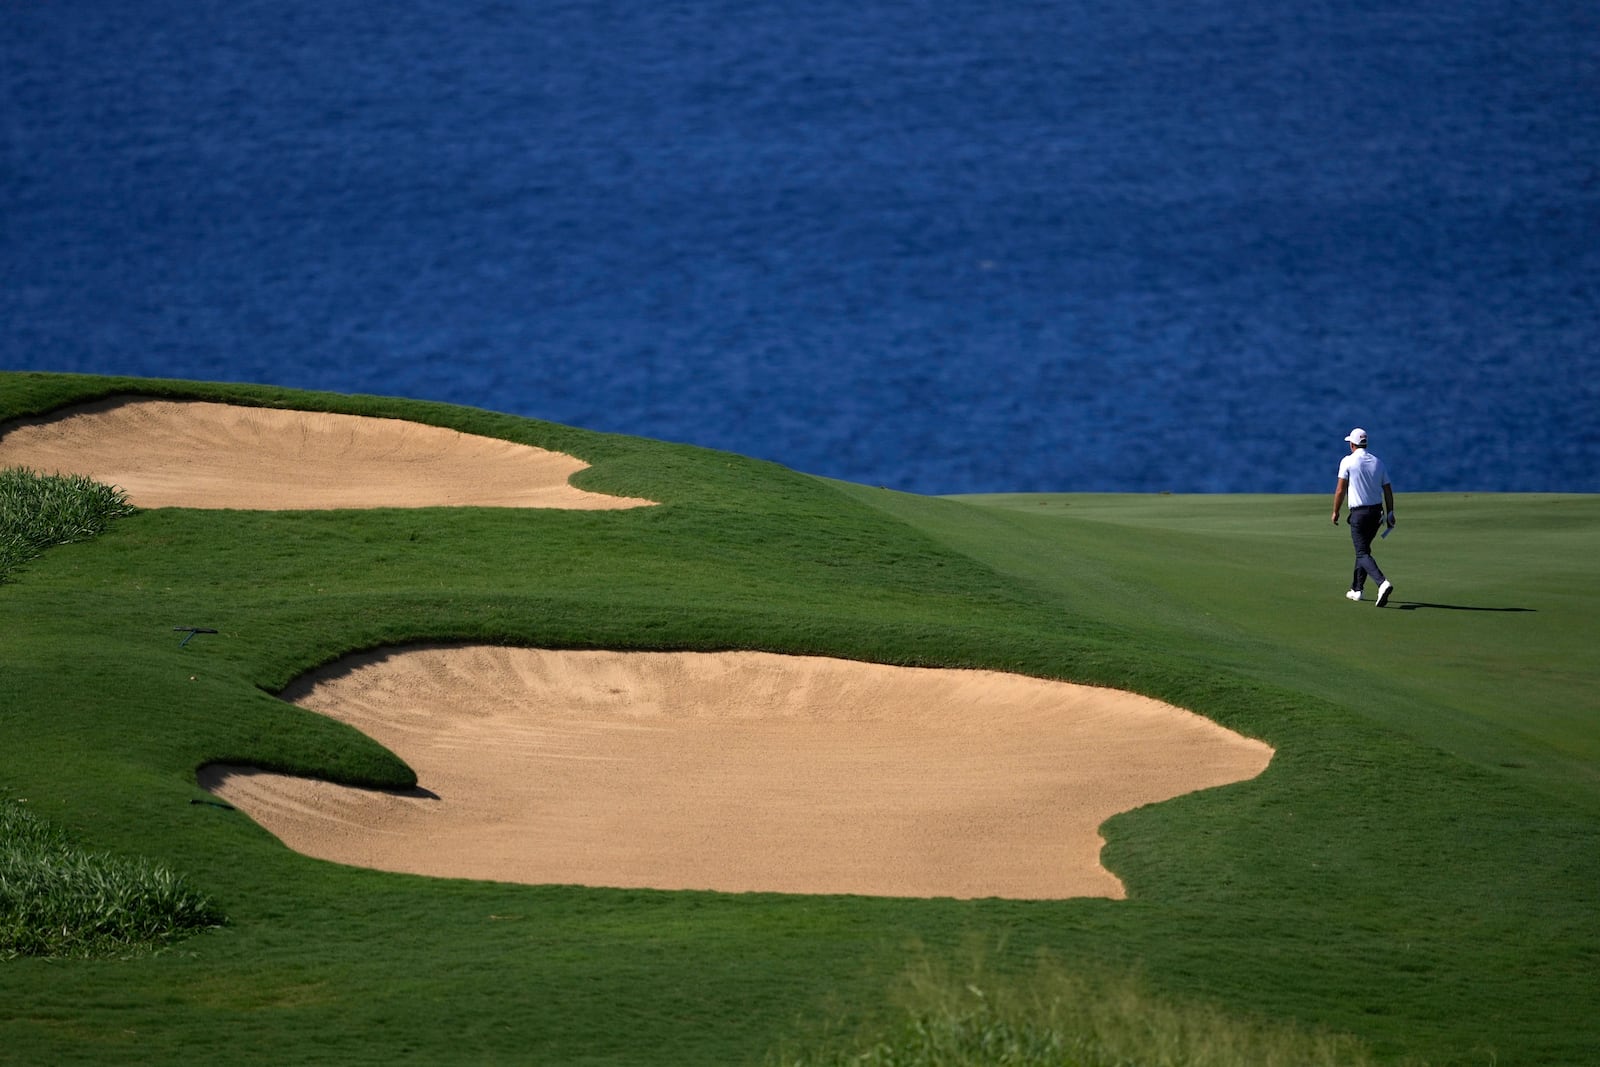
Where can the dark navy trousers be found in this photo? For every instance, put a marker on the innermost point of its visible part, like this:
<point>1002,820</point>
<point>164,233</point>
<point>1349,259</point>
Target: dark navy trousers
<point>1364,523</point>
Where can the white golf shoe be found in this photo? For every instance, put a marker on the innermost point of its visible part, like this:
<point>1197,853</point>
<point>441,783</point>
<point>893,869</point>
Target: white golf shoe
<point>1383,593</point>
<point>1352,594</point>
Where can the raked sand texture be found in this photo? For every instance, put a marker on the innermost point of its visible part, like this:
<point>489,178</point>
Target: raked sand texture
<point>197,454</point>
<point>737,771</point>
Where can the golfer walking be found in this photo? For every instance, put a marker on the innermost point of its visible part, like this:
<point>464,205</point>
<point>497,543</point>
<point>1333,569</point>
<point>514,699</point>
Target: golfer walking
<point>1363,480</point>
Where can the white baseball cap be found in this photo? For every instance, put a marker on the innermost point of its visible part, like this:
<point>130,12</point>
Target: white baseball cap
<point>1357,436</point>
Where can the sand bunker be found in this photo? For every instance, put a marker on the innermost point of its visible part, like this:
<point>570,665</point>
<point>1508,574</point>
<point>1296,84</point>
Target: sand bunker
<point>732,772</point>
<point>195,454</point>
<point>737,771</point>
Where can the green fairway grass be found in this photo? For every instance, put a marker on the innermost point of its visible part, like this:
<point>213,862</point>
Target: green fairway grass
<point>1418,868</point>
<point>1495,594</point>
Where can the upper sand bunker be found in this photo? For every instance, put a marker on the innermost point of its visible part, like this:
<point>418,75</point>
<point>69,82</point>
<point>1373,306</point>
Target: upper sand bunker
<point>737,771</point>
<point>197,454</point>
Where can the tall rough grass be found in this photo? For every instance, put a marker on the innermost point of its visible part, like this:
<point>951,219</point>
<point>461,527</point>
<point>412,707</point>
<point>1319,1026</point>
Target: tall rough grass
<point>38,511</point>
<point>1051,1017</point>
<point>57,900</point>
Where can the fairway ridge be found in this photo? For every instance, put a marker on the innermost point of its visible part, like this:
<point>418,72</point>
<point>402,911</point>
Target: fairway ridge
<point>202,454</point>
<point>737,771</point>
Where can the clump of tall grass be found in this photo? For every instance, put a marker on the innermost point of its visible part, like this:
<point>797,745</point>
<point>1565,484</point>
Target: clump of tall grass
<point>56,900</point>
<point>38,511</point>
<point>1050,1017</point>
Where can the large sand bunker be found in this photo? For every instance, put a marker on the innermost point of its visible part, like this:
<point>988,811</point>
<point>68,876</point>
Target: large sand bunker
<point>196,454</point>
<point>731,771</point>
<point>737,771</point>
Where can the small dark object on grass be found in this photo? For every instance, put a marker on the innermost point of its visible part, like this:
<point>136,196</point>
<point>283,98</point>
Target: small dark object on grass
<point>191,631</point>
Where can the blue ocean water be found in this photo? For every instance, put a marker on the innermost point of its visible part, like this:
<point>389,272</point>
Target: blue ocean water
<point>946,247</point>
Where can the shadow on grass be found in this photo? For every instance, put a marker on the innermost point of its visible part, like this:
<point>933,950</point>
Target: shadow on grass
<point>1413,605</point>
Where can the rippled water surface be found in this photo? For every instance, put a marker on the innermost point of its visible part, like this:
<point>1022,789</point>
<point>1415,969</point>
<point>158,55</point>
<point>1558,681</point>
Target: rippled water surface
<point>946,247</point>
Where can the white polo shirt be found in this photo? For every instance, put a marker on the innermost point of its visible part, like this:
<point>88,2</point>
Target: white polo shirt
<point>1366,476</point>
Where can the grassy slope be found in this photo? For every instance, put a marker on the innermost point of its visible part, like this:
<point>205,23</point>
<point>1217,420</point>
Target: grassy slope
<point>1389,875</point>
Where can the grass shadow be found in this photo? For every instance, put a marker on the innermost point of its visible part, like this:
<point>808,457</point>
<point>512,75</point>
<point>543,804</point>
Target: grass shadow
<point>1413,605</point>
